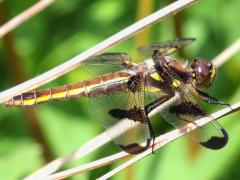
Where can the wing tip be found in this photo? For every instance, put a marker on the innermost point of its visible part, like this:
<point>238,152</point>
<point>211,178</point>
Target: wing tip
<point>215,142</point>
<point>186,41</point>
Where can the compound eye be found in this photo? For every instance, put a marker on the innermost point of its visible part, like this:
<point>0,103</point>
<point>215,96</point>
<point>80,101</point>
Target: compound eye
<point>204,72</point>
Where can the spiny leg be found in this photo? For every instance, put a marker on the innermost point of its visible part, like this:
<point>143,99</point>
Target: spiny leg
<point>209,99</point>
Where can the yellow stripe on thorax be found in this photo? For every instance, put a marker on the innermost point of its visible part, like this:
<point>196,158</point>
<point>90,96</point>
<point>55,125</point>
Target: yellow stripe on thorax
<point>152,90</point>
<point>176,83</point>
<point>156,76</point>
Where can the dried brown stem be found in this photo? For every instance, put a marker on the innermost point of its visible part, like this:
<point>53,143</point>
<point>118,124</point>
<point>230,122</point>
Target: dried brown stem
<point>144,8</point>
<point>227,53</point>
<point>18,75</point>
<point>24,16</point>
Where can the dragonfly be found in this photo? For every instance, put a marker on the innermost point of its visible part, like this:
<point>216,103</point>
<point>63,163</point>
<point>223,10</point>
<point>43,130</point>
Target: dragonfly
<point>118,91</point>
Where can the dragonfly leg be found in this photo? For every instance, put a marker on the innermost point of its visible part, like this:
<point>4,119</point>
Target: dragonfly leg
<point>156,103</point>
<point>208,99</point>
<point>148,109</point>
<point>152,134</point>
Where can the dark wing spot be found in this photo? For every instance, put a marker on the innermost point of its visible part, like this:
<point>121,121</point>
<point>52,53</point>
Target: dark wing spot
<point>117,113</point>
<point>133,83</point>
<point>135,148</point>
<point>216,142</point>
<point>186,108</point>
<point>135,114</point>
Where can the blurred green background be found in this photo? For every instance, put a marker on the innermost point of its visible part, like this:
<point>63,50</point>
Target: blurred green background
<point>29,138</point>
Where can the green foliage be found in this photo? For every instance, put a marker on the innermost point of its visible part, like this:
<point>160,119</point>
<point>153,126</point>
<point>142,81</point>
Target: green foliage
<point>66,29</point>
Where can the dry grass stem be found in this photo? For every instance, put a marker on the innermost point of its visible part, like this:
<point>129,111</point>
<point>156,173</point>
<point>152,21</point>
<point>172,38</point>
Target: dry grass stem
<point>87,148</point>
<point>171,136</point>
<point>24,16</point>
<point>109,42</point>
<point>159,142</point>
<point>227,53</point>
<point>100,140</point>
<point>90,146</point>
<point>89,166</point>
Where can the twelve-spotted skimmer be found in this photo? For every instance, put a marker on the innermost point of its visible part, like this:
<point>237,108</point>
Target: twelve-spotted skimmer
<point>117,94</point>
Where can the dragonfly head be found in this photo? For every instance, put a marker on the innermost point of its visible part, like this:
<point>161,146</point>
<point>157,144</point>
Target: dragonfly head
<point>203,73</point>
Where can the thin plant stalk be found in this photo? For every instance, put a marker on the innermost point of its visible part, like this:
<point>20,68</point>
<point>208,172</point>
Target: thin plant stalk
<point>227,54</point>
<point>24,16</point>
<point>159,142</point>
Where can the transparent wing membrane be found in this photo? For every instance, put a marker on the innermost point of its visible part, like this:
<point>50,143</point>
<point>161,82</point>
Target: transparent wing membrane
<point>179,113</point>
<point>164,48</point>
<point>122,114</point>
<point>108,62</point>
<point>124,118</point>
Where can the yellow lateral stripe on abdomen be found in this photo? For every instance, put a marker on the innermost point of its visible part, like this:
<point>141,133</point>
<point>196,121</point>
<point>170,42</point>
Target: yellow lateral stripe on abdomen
<point>81,89</point>
<point>36,97</point>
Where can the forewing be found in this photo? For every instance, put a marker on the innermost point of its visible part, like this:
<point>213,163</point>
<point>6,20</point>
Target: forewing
<point>124,119</point>
<point>108,62</point>
<point>184,109</point>
<point>164,48</point>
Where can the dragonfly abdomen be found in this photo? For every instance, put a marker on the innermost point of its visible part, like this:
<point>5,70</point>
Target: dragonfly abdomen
<point>102,85</point>
<point>32,98</point>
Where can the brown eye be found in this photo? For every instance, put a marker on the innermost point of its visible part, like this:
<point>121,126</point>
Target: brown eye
<point>204,73</point>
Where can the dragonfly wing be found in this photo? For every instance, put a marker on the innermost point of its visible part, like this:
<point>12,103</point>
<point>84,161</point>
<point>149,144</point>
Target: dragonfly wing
<point>184,109</point>
<point>123,116</point>
<point>108,62</point>
<point>180,112</point>
<point>164,48</point>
